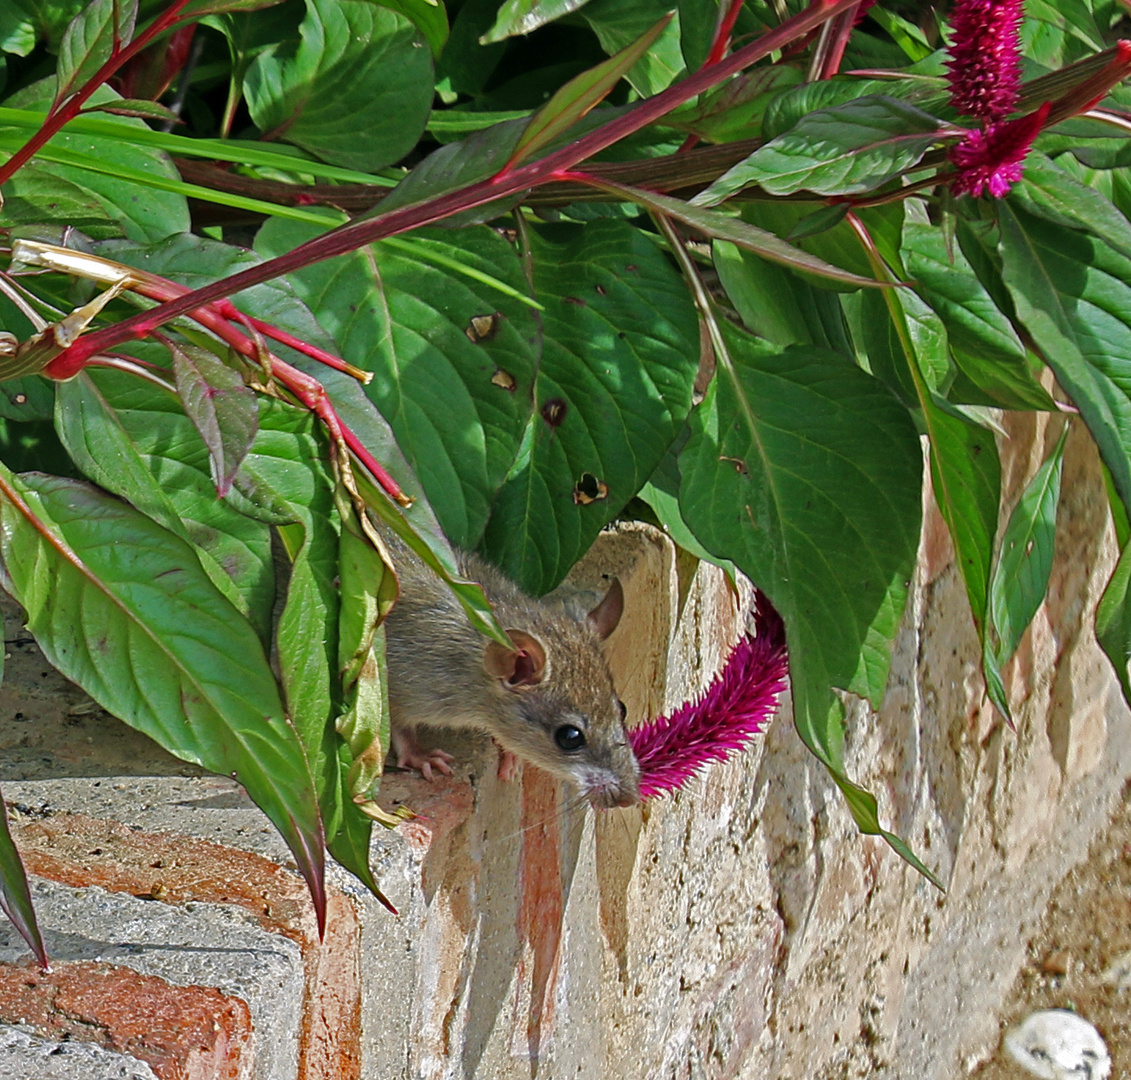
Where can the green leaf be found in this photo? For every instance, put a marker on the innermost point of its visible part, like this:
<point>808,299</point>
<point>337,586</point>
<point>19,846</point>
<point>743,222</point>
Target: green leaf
<point>458,165</point>
<point>133,439</point>
<point>368,588</point>
<point>619,354</point>
<point>220,407</point>
<point>15,895</point>
<point>105,198</point>
<point>452,359</point>
<point>661,494</point>
<point>779,306</point>
<point>966,476</point>
<point>617,24</point>
<point>1021,576</point>
<point>356,90</point>
<point>736,109</point>
<point>1073,295</point>
<point>524,16</point>
<point>1049,192</point>
<point>797,102</point>
<point>965,470</point>
<point>722,226</point>
<point>984,344</point>
<point>100,27</point>
<point>846,150</point>
<point>23,22</point>
<point>157,645</point>
<point>581,94</point>
<point>805,471</point>
<point>1113,621</point>
<point>430,17</point>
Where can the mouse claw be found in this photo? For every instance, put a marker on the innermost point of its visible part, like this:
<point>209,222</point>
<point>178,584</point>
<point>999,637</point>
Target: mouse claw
<point>411,755</point>
<point>508,765</point>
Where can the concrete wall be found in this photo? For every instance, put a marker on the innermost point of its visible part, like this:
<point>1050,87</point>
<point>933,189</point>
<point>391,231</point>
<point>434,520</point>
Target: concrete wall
<point>741,929</point>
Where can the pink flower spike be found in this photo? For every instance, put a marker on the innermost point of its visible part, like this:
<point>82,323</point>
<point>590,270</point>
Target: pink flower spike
<point>737,706</point>
<point>991,159</point>
<point>984,69</point>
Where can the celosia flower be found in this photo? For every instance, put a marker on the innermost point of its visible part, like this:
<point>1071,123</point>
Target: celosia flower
<point>984,69</point>
<point>735,708</point>
<point>991,159</point>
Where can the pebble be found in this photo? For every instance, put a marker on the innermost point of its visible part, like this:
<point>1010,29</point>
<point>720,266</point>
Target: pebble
<point>1056,1044</point>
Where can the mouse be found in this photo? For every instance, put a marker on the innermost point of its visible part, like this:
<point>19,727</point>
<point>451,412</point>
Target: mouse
<point>549,700</point>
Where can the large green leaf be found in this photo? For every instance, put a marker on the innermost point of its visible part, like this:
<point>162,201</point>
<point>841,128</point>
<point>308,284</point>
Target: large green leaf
<point>1048,192</point>
<point>807,472</point>
<point>122,607</point>
<point>1073,295</point>
<point>356,90</point>
<point>984,342</point>
<point>453,359</point>
<point>1021,576</point>
<point>133,438</point>
<point>619,354</point>
<point>842,151</point>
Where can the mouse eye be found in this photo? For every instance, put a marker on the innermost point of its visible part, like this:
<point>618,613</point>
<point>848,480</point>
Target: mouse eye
<point>622,712</point>
<point>569,737</point>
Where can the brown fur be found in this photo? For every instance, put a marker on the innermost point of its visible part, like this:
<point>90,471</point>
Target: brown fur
<point>443,673</point>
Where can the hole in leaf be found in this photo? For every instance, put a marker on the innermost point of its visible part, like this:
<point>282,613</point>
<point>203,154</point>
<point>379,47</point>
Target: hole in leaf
<point>589,490</point>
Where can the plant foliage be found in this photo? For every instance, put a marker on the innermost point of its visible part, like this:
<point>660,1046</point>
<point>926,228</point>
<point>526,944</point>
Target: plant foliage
<point>495,271</point>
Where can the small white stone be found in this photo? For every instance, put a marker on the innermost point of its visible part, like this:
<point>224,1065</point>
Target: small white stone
<point>1056,1044</point>
<point>1118,973</point>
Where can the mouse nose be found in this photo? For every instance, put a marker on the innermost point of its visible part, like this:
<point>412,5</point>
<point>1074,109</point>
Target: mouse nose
<point>612,793</point>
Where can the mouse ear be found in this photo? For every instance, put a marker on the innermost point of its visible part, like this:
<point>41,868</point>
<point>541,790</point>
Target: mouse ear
<point>605,616</point>
<point>524,665</point>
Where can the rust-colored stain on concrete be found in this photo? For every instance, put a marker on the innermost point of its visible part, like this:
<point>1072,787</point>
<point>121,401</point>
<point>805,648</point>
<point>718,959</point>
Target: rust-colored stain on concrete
<point>181,1032</point>
<point>81,851</point>
<point>542,903</point>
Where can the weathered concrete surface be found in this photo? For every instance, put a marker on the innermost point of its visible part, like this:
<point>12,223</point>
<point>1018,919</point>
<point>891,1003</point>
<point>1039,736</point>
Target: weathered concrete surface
<point>741,929</point>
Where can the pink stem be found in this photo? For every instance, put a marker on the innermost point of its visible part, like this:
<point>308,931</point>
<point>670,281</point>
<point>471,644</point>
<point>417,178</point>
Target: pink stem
<point>508,182</point>
<point>63,114</point>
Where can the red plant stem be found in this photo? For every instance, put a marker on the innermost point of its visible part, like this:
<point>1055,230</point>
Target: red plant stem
<point>66,112</point>
<point>722,33</point>
<point>841,31</point>
<point>507,182</point>
<point>305,387</point>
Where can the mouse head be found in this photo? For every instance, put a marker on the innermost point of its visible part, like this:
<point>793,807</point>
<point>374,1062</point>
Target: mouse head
<point>560,708</point>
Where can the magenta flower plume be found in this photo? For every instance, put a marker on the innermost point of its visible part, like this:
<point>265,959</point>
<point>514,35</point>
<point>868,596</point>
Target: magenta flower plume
<point>735,708</point>
<point>984,69</point>
<point>991,160</point>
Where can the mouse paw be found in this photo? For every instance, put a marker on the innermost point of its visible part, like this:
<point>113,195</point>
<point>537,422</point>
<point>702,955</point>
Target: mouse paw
<point>508,764</point>
<point>411,755</point>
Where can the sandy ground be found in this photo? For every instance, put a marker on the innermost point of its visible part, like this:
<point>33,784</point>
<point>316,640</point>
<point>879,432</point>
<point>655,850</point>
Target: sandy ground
<point>1085,939</point>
